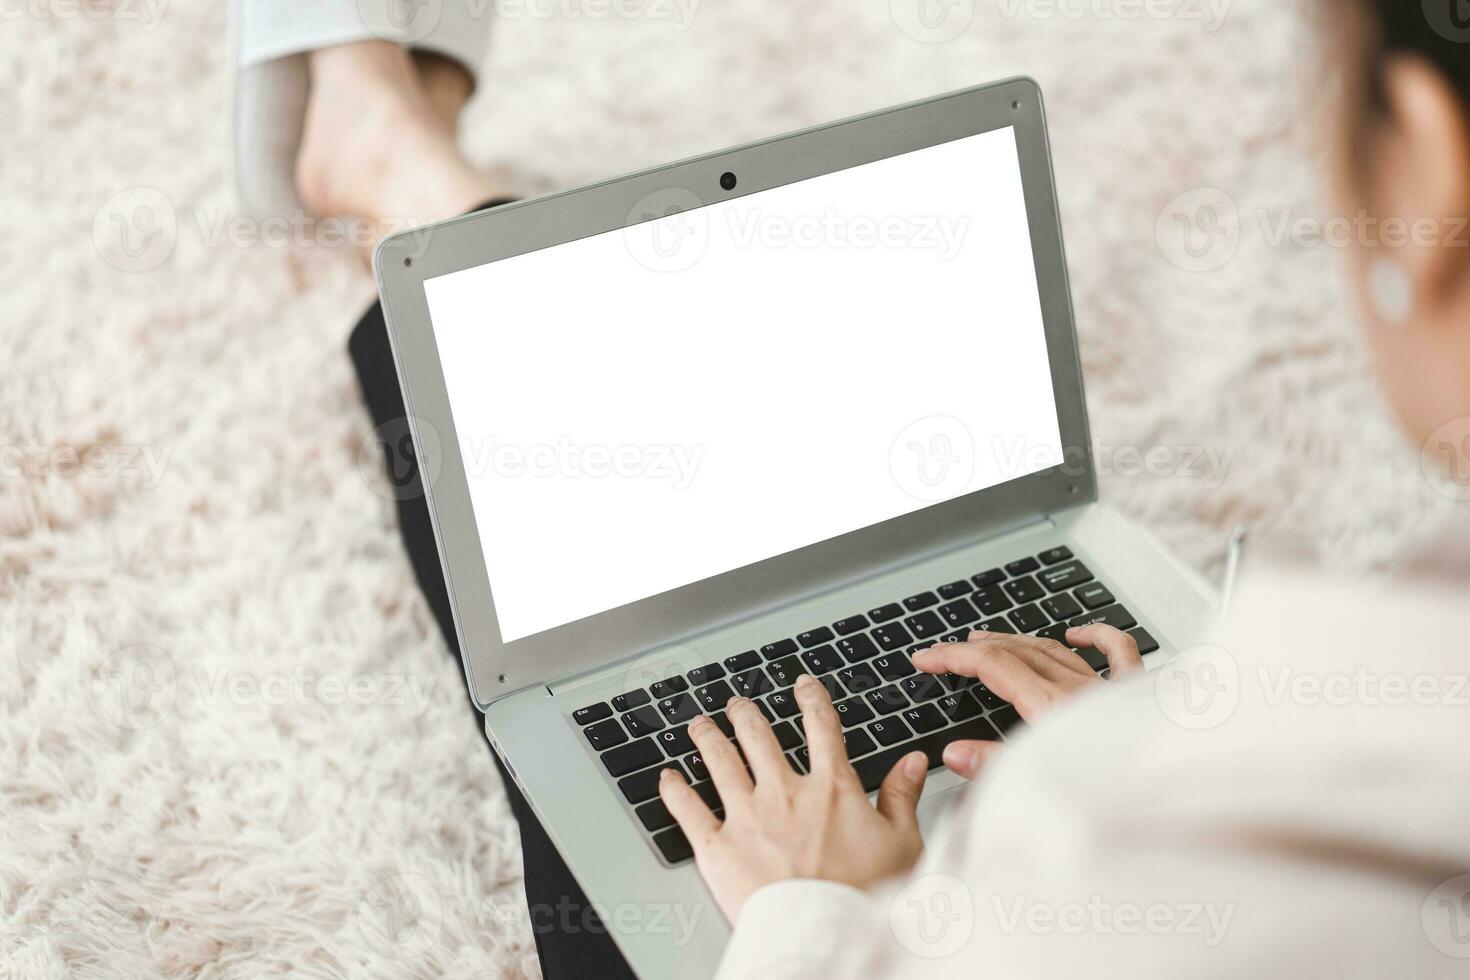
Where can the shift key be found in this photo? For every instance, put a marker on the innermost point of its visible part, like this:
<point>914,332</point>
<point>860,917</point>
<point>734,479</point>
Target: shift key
<point>1115,616</point>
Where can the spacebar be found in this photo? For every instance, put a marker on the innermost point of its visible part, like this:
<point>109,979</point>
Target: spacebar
<point>874,768</point>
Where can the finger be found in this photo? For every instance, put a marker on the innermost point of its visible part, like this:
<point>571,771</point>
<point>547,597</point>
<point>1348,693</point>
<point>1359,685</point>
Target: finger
<point>995,667</point>
<point>898,797</point>
<point>694,818</point>
<point>1120,648</point>
<point>969,756</point>
<point>725,766</point>
<point>823,729</point>
<point>1048,658</point>
<point>757,740</point>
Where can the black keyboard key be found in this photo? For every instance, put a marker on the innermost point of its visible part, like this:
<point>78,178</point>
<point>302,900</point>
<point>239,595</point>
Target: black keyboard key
<point>1023,590</point>
<point>891,636</point>
<point>894,666</point>
<point>1053,555</point>
<point>859,679</point>
<point>958,636</point>
<point>958,707</point>
<point>632,757</point>
<point>591,713</point>
<point>1096,659</point>
<point>783,704</point>
<point>850,625</point>
<point>643,785</point>
<point>1056,631</point>
<point>873,769</point>
<point>795,765</point>
<point>698,771</point>
<point>714,697</point>
<point>605,734</point>
<point>989,698</point>
<point>723,724</point>
<point>742,661</point>
<point>957,682</point>
<point>987,579</point>
<point>1094,595</point>
<point>753,683</point>
<point>835,690</point>
<point>890,731</point>
<point>959,613</point>
<point>991,601</point>
<point>922,687</point>
<point>955,589</point>
<point>654,815</point>
<point>631,700</point>
<point>921,601</point>
<point>1024,566</point>
<point>1115,616</point>
<point>858,743</point>
<point>996,625</point>
<point>766,710</point>
<point>816,637</point>
<point>857,648</point>
<point>884,613</point>
<point>673,845</point>
<point>853,711</point>
<point>781,648</point>
<point>1144,639</point>
<point>675,741</point>
<point>1067,576</point>
<point>680,707</point>
<point>924,718</point>
<point>707,793</point>
<point>886,700</point>
<point>822,660</point>
<point>1061,607</point>
<point>786,735</point>
<point>1006,719</point>
<point>669,687</point>
<point>700,676</point>
<point>926,625</point>
<point>642,721</point>
<point>784,672</point>
<point>1028,619</point>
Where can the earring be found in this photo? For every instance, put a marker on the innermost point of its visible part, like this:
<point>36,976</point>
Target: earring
<point>1391,292</point>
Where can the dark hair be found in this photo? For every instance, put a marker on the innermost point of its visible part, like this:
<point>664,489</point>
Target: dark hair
<point>1410,26</point>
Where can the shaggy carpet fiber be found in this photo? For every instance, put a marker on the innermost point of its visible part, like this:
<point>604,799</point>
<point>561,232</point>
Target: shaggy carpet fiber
<point>231,742</point>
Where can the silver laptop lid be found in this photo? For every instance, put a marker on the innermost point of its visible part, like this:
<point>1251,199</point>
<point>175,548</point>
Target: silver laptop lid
<point>673,400</point>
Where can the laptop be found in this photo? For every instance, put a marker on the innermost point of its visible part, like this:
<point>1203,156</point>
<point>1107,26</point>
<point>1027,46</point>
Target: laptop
<point>802,406</point>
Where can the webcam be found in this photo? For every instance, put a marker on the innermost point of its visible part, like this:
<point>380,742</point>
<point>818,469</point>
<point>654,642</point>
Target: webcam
<point>727,181</point>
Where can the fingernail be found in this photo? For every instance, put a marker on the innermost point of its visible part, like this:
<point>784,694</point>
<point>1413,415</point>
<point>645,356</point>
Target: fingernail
<point>698,725</point>
<point>924,653</point>
<point>806,680</point>
<point>915,765</point>
<point>665,775</point>
<point>960,758</point>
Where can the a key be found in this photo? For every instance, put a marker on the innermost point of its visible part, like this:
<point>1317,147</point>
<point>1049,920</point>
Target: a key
<point>675,741</point>
<point>1056,631</point>
<point>591,713</point>
<point>873,769</point>
<point>958,707</point>
<point>668,687</point>
<point>742,661</point>
<point>1028,619</point>
<point>894,666</point>
<point>1024,590</point>
<point>891,636</point>
<point>922,687</point>
<point>858,743</point>
<point>781,648</point>
<point>642,721</point>
<point>961,612</point>
<point>890,731</point>
<point>822,660</point>
<point>816,637</point>
<point>784,672</point>
<point>924,718</point>
<point>605,734</point>
<point>921,601</point>
<point>1144,639</point>
<point>886,700</point>
<point>955,589</point>
<point>850,625</point>
<point>986,579</point>
<point>783,703</point>
<point>631,700</point>
<point>631,757</point>
<point>1115,616</point>
<point>991,601</point>
<point>996,625</point>
<point>857,648</point>
<point>673,845</point>
<point>700,676</point>
<point>654,815</point>
<point>644,785</point>
<point>680,707</point>
<point>926,625</point>
<point>1061,607</point>
<point>884,613</point>
<point>786,735</point>
<point>1067,576</point>
<point>1022,567</point>
<point>753,683</point>
<point>714,697</point>
<point>859,679</point>
<point>1094,595</point>
<point>853,711</point>
<point>697,769</point>
<point>1053,555</point>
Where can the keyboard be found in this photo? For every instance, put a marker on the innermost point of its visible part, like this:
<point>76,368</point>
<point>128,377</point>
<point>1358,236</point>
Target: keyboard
<point>888,707</point>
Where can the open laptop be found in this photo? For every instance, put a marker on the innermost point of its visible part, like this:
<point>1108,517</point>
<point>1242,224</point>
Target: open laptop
<point>805,405</point>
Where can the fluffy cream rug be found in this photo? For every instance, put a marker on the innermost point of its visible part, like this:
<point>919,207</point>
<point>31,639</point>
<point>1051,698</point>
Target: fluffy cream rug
<point>231,744</point>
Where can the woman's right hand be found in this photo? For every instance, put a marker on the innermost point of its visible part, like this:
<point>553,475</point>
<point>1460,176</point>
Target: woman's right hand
<point>1031,673</point>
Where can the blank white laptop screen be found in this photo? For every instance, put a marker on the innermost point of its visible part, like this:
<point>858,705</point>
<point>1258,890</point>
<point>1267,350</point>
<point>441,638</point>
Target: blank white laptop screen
<point>650,407</point>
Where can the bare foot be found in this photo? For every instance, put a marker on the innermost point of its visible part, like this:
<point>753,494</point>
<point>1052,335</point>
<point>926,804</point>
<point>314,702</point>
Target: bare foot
<point>379,147</point>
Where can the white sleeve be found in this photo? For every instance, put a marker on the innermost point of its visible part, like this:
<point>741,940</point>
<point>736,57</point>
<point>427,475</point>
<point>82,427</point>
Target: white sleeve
<point>795,929</point>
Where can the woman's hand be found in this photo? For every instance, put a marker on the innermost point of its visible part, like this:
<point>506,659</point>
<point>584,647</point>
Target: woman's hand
<point>782,825</point>
<point>1031,673</point>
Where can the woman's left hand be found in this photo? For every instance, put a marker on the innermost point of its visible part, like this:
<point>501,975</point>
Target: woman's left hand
<point>780,825</point>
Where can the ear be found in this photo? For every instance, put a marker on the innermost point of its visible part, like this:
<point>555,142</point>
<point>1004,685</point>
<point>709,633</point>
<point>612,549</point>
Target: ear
<point>1417,179</point>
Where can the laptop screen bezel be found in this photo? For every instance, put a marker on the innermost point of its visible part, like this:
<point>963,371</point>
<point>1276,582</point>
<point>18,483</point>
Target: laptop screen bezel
<point>494,668</point>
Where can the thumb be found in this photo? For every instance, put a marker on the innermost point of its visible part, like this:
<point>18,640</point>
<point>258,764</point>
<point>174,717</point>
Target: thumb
<point>898,797</point>
<point>966,758</point>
